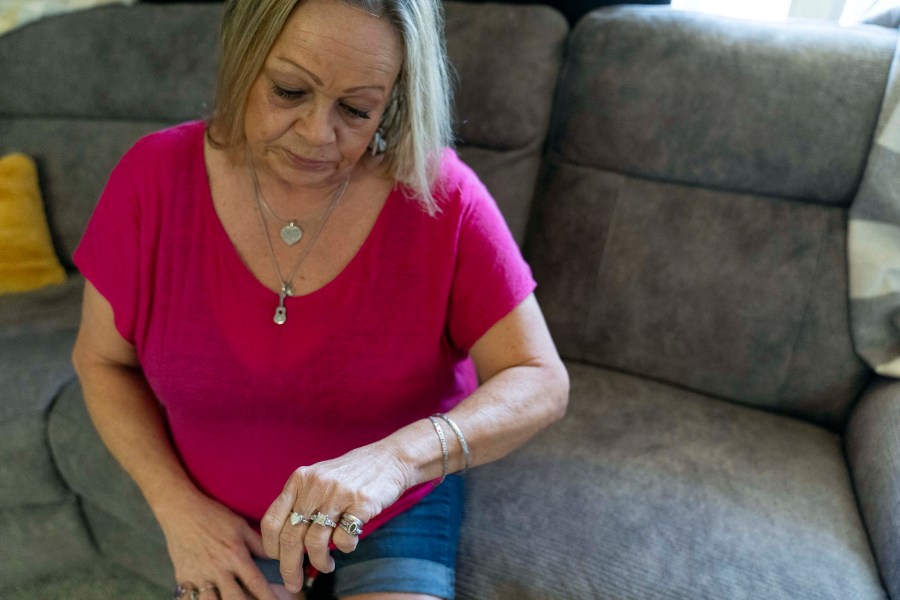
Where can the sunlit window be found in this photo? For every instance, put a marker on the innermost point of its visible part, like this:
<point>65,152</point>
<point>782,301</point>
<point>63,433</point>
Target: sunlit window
<point>745,9</point>
<point>847,11</point>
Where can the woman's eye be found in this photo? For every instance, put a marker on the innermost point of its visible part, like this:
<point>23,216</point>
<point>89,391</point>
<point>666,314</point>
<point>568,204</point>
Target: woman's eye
<point>285,93</point>
<point>356,113</point>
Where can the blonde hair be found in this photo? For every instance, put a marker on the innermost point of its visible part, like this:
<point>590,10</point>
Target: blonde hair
<point>417,121</point>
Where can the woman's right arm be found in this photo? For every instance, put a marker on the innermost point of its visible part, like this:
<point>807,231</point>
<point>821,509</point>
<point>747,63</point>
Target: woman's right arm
<point>207,542</point>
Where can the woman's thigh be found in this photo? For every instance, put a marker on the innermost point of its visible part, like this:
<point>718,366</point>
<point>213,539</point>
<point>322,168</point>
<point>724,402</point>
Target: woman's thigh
<point>411,557</point>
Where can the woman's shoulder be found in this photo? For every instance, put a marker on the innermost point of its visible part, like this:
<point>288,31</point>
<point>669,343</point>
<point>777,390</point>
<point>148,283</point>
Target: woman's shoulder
<point>457,186</point>
<point>169,146</point>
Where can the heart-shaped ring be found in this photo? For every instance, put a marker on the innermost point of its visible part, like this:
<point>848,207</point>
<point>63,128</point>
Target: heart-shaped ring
<point>297,518</point>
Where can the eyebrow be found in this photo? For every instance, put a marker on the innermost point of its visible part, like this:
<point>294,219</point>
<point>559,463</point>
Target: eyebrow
<point>318,80</point>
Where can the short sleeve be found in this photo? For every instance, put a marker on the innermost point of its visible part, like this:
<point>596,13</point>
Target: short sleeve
<point>491,277</point>
<point>108,254</point>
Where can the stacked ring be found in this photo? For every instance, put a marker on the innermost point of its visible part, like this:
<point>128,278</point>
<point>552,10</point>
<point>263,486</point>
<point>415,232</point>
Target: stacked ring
<point>192,592</point>
<point>351,524</point>
<point>322,519</point>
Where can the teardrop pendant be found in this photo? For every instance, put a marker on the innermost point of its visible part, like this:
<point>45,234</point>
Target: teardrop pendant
<point>291,234</point>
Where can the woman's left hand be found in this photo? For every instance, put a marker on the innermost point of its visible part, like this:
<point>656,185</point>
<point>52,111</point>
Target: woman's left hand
<point>361,483</point>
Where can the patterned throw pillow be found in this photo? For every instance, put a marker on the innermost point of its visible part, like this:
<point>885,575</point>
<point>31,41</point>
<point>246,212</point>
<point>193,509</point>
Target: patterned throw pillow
<point>15,13</point>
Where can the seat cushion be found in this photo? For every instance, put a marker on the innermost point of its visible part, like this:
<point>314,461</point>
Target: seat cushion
<point>649,491</point>
<point>39,540</point>
<point>34,365</point>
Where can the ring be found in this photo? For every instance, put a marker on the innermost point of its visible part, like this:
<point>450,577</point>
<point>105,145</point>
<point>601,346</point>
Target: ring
<point>322,519</point>
<point>183,588</point>
<point>351,524</point>
<point>297,518</point>
<point>193,593</point>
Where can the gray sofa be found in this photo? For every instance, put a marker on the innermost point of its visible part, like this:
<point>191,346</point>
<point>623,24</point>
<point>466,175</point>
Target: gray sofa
<point>680,184</point>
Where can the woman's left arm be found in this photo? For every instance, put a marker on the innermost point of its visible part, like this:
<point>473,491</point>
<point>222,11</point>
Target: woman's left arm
<point>525,388</point>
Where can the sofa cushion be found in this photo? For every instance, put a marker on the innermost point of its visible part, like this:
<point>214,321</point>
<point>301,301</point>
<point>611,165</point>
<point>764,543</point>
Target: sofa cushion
<point>75,157</point>
<point>116,539</point>
<point>648,491</point>
<point>84,461</point>
<point>782,109</point>
<point>686,230</point>
<point>740,296</point>
<point>34,366</point>
<point>503,104</point>
<point>35,363</point>
<point>39,540</point>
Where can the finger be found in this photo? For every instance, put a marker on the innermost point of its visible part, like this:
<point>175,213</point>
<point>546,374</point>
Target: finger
<point>275,518</point>
<point>255,582</point>
<point>291,556</point>
<point>208,591</point>
<point>343,540</point>
<point>230,590</point>
<point>254,542</point>
<point>317,540</point>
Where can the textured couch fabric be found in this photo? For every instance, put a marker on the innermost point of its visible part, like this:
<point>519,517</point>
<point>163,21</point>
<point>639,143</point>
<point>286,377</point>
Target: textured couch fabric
<point>679,183</point>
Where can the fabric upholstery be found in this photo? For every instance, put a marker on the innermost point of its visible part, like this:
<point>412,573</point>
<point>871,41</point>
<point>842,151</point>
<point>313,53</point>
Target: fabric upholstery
<point>685,97</point>
<point>115,539</point>
<point>40,540</point>
<point>705,278</point>
<point>83,462</point>
<point>34,366</point>
<point>873,451</point>
<point>72,173</point>
<point>678,496</point>
<point>35,363</point>
<point>54,306</point>
<point>28,476</point>
<point>27,257</point>
<point>741,296</point>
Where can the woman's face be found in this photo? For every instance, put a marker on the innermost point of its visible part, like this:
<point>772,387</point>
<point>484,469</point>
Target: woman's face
<point>315,106</point>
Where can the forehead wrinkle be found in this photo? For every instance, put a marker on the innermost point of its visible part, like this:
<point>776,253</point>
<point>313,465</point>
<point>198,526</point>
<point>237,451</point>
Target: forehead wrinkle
<point>299,51</point>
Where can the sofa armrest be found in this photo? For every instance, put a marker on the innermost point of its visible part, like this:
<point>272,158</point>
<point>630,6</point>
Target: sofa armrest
<point>873,451</point>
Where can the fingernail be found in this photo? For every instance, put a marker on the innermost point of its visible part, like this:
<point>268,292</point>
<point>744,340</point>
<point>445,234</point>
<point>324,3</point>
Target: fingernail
<point>292,588</point>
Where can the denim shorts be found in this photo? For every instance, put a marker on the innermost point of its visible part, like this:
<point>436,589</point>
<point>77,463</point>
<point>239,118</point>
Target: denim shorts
<point>415,552</point>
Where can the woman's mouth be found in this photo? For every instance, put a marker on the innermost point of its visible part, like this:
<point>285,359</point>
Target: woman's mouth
<point>307,164</point>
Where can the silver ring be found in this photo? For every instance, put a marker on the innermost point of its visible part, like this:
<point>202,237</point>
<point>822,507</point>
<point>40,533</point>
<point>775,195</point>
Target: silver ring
<point>322,519</point>
<point>298,519</point>
<point>351,524</point>
<point>184,588</point>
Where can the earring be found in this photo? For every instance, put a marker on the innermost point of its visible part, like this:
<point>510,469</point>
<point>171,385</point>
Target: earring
<point>378,144</point>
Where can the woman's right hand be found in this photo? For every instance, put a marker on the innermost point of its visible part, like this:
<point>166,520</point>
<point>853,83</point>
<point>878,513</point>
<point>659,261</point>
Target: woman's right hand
<point>210,545</point>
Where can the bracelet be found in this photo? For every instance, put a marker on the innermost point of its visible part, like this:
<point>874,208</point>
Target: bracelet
<point>446,461</point>
<point>459,436</point>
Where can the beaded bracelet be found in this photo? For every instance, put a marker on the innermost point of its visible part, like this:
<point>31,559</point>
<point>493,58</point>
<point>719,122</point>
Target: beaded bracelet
<point>446,461</point>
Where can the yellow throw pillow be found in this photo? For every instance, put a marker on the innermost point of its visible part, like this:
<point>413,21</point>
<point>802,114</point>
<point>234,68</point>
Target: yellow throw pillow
<point>27,259</point>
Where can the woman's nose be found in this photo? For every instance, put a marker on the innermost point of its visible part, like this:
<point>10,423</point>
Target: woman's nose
<point>316,126</point>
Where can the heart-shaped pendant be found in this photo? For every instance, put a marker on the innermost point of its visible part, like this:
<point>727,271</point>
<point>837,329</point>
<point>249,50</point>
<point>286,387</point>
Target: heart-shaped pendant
<point>291,234</point>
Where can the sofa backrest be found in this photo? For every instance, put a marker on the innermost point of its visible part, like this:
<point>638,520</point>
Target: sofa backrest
<point>78,90</point>
<point>691,227</point>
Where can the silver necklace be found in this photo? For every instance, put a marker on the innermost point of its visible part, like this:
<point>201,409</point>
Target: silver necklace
<point>291,233</point>
<point>280,316</point>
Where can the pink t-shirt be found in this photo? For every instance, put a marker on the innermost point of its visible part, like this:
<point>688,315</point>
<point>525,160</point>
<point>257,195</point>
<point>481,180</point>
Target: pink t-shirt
<point>383,344</point>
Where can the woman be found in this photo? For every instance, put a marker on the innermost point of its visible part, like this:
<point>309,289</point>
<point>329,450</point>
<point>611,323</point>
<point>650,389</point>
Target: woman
<point>289,308</point>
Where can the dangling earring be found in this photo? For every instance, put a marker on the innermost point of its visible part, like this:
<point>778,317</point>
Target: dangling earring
<point>378,144</point>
